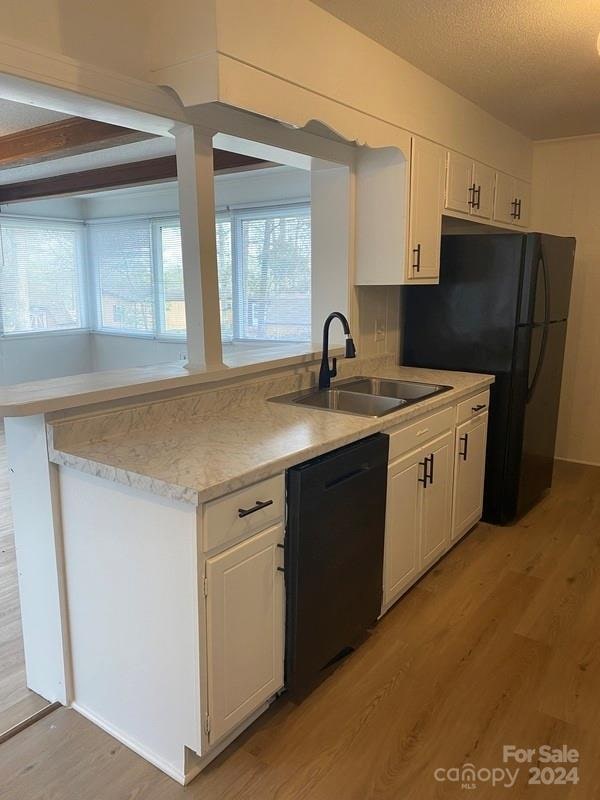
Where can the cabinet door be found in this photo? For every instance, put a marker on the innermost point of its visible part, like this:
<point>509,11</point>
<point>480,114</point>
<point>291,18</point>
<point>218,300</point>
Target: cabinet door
<point>505,196</point>
<point>523,195</point>
<point>484,181</point>
<point>436,512</point>
<point>401,563</point>
<point>244,629</point>
<point>459,182</point>
<point>469,473</point>
<point>426,192</point>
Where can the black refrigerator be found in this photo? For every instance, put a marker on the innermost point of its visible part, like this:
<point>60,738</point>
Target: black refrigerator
<point>501,307</point>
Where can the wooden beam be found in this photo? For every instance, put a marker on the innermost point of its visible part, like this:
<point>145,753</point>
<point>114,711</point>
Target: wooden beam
<point>67,137</point>
<point>131,174</point>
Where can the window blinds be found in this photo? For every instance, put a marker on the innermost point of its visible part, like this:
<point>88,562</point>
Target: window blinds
<point>274,284</point>
<point>121,259</point>
<point>40,276</point>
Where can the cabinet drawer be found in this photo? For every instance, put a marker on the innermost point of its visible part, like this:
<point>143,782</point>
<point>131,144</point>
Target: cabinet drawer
<point>227,519</point>
<point>478,404</point>
<point>410,436</point>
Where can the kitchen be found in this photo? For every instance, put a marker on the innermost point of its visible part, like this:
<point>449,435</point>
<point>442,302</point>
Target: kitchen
<point>186,467</point>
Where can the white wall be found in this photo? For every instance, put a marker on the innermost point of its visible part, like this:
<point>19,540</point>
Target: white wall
<point>566,202</point>
<point>120,352</point>
<point>41,356</point>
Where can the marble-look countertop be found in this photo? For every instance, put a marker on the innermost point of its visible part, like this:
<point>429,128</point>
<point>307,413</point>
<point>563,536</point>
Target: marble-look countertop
<point>200,460</point>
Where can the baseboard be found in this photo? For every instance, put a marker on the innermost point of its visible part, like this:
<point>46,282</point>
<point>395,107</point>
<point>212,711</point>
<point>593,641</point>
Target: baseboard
<point>577,461</point>
<point>178,775</point>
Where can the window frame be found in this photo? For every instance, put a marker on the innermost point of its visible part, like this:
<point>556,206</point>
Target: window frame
<point>82,271</point>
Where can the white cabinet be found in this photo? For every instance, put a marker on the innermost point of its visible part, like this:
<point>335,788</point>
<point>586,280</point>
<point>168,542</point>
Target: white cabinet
<point>484,179</point>
<point>426,204</point>
<point>512,200</point>
<point>436,512</point>
<point>402,555</point>
<point>244,629</point>
<point>469,471</point>
<point>419,511</point>
<point>469,186</point>
<point>459,182</point>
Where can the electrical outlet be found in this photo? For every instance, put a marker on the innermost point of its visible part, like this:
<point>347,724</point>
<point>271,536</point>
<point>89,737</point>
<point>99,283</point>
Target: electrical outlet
<point>379,330</point>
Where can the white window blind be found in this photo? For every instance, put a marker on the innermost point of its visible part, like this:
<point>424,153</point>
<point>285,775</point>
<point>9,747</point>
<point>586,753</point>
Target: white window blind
<point>273,280</point>
<point>121,258</point>
<point>40,279</point>
<point>225,270</point>
<point>172,300</point>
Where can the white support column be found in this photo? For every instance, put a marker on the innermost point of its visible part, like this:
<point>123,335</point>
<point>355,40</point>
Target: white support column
<point>331,233</point>
<point>38,541</point>
<point>195,178</point>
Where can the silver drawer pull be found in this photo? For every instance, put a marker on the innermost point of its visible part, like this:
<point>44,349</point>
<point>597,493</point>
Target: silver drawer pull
<point>422,431</point>
<point>243,512</point>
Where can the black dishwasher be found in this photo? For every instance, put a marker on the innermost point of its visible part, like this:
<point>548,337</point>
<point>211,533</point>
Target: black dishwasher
<point>333,556</point>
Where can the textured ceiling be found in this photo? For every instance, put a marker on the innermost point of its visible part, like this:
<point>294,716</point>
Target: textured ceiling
<point>531,63</point>
<point>18,117</point>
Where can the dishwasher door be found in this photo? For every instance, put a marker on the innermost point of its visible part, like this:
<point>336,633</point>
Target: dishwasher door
<point>333,556</point>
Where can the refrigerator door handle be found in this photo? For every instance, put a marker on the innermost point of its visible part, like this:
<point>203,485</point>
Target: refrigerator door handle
<point>544,344</point>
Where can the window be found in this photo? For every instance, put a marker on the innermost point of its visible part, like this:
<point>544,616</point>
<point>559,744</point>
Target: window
<point>121,260</point>
<point>171,306</point>
<point>272,273</point>
<point>264,257</point>
<point>41,276</point>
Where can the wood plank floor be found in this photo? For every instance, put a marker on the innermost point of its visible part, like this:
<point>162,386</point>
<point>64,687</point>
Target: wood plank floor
<point>17,702</point>
<point>498,644</point>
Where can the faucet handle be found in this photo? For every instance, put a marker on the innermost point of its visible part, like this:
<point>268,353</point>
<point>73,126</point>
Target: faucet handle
<point>333,370</point>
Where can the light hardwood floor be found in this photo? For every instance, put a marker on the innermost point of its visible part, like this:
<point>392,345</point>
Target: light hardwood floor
<point>17,702</point>
<point>498,644</point>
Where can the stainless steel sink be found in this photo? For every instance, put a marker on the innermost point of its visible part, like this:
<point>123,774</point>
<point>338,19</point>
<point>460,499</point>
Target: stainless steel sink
<point>366,397</point>
<point>367,405</point>
<point>410,391</point>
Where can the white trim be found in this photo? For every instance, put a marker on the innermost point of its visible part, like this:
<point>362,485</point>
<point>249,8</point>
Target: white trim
<point>578,461</point>
<point>34,218</point>
<point>37,334</point>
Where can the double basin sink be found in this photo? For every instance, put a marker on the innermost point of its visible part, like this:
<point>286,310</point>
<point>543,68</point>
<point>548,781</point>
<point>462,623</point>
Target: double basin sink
<point>367,397</point>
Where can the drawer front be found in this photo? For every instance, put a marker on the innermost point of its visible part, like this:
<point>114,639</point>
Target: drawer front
<point>408,437</point>
<point>241,513</point>
<point>478,404</point>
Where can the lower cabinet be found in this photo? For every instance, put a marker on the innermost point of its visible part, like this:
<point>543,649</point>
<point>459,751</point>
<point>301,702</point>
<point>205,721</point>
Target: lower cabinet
<point>469,472</point>
<point>244,629</point>
<point>436,510</point>
<point>419,512</point>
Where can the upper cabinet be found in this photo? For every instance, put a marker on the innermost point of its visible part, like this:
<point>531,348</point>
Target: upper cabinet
<point>512,200</point>
<point>426,203</point>
<point>469,186</point>
<point>399,203</point>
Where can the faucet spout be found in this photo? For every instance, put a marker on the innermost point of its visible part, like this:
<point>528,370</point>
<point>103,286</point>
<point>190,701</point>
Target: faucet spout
<point>327,372</point>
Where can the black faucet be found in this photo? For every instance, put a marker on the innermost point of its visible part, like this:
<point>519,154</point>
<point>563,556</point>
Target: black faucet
<point>326,373</point>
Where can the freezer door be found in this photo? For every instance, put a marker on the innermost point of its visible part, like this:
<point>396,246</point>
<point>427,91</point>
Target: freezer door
<point>547,274</point>
<point>558,254</point>
<point>546,353</point>
<point>468,321</point>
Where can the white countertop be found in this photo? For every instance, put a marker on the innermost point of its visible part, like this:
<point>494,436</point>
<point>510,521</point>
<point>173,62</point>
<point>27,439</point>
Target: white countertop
<point>197,461</point>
